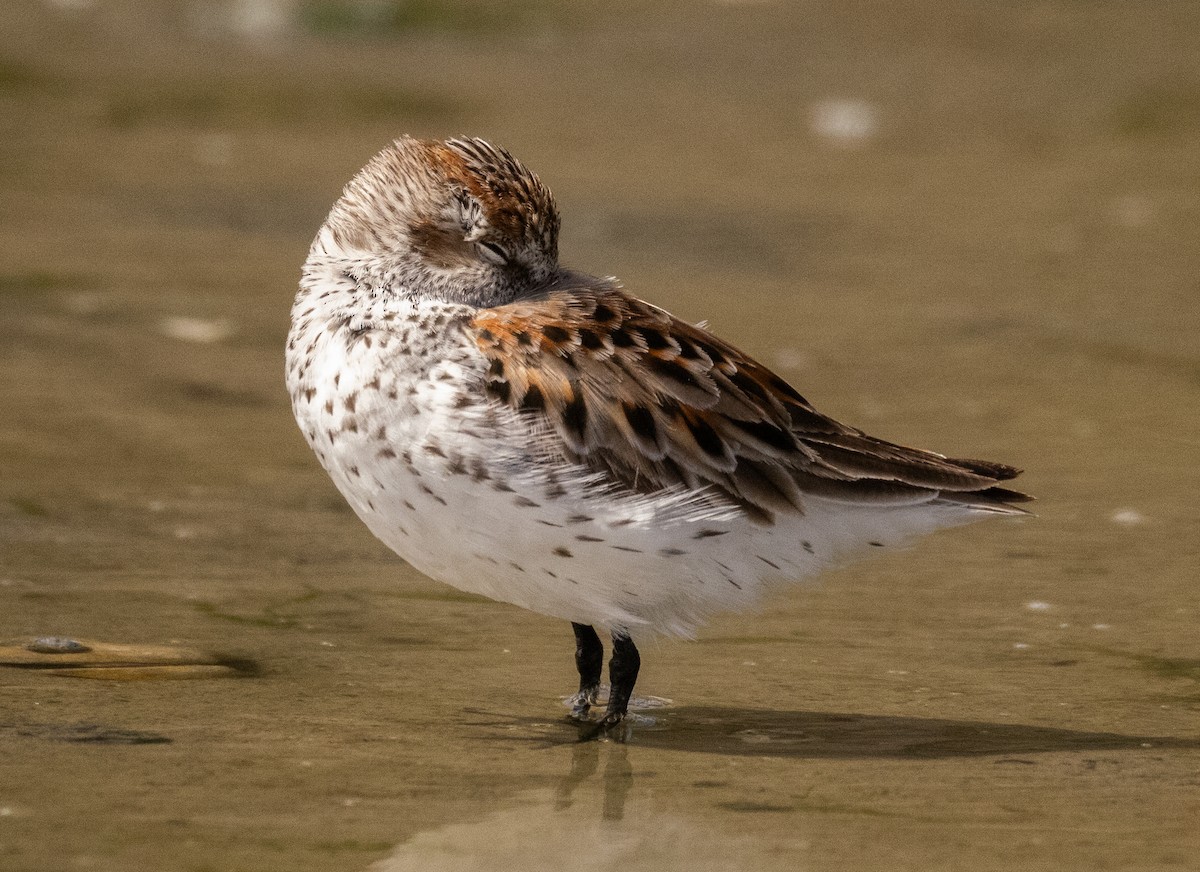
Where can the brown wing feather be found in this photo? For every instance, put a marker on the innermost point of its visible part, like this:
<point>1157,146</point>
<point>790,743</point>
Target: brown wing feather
<point>654,401</point>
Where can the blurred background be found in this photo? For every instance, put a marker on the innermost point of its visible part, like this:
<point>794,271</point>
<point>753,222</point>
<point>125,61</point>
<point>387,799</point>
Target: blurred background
<point>967,226</point>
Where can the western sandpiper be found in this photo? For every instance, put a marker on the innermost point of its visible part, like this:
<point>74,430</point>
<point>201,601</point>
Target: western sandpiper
<point>545,438</point>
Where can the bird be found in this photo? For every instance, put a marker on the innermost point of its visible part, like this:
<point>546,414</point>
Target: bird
<point>545,438</point>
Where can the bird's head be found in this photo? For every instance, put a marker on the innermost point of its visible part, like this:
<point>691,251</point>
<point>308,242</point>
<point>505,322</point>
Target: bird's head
<point>460,221</point>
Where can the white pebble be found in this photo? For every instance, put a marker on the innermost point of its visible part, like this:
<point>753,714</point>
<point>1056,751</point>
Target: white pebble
<point>262,19</point>
<point>792,358</point>
<point>200,330</point>
<point>846,122</point>
<point>1127,517</point>
<point>1037,606</point>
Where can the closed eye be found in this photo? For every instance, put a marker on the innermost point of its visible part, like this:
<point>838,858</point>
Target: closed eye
<point>493,252</point>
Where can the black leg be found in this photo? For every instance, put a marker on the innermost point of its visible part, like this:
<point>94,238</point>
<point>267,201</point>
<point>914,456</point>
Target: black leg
<point>589,660</point>
<point>622,676</point>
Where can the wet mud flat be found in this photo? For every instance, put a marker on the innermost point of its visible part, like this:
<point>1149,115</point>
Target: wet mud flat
<point>963,228</point>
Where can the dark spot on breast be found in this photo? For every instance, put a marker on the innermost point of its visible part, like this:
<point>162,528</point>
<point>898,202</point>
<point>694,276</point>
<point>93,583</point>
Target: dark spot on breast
<point>583,538</point>
<point>409,506</point>
<point>487,335</point>
<point>705,534</point>
<point>562,552</point>
<point>308,394</point>
<point>525,503</point>
<point>425,489</point>
<point>434,449</point>
<point>518,567</point>
<point>807,546</point>
<point>373,384</point>
<point>876,544</point>
<point>548,572</point>
<point>627,548</point>
<point>329,406</point>
<point>671,552</point>
<point>386,453</point>
<point>769,563</point>
<point>578,519</point>
<point>522,338</point>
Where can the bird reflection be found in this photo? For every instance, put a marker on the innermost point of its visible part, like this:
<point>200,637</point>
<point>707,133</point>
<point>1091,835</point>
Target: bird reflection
<point>616,781</point>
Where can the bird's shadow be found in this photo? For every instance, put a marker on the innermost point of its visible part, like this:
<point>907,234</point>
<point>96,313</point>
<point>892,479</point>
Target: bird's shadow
<point>835,735</point>
<point>747,732</point>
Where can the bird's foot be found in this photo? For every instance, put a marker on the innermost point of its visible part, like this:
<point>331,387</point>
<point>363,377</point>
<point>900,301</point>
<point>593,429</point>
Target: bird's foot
<point>582,702</point>
<point>614,726</point>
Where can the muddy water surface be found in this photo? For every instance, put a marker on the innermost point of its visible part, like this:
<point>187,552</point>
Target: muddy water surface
<point>967,228</point>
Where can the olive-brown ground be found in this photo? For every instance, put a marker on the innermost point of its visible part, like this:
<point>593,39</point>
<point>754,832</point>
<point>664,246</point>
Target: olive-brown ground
<point>1005,266</point>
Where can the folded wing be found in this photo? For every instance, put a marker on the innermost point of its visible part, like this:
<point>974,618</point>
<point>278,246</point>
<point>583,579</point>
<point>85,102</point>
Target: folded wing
<point>629,389</point>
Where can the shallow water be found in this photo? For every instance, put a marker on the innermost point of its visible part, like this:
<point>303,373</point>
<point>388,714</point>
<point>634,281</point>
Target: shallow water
<point>970,229</point>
